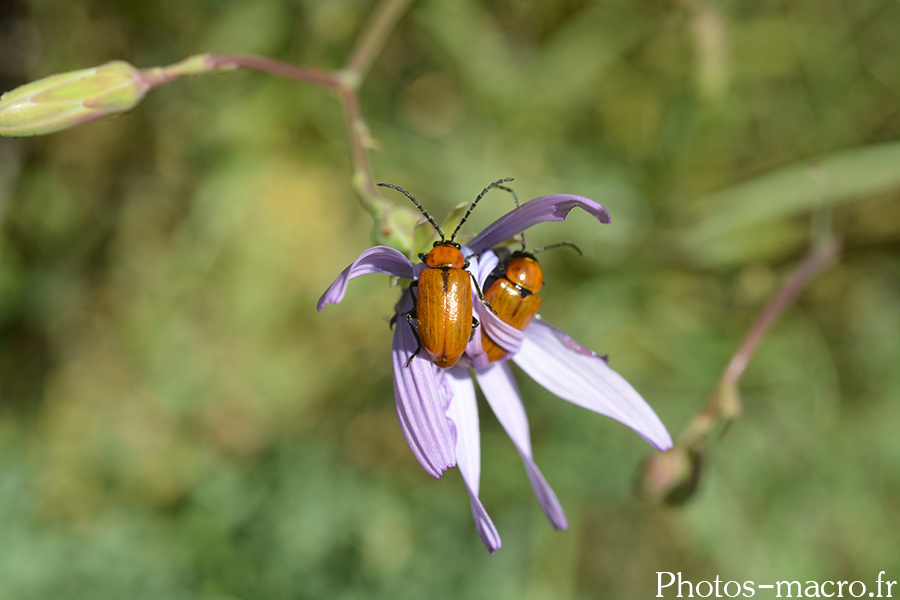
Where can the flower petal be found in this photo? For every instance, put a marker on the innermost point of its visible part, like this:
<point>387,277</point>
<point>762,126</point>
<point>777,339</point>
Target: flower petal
<point>555,207</point>
<point>482,265</point>
<point>378,259</point>
<point>506,336</point>
<point>463,412</point>
<point>502,394</point>
<point>587,381</point>
<point>569,342</point>
<point>420,404</point>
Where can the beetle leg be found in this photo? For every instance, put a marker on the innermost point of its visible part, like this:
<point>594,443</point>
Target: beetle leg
<point>413,315</point>
<point>480,295</point>
<point>475,324</point>
<point>409,317</point>
<point>396,316</point>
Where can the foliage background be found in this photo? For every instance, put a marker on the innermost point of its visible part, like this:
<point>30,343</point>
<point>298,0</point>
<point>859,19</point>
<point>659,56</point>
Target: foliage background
<point>176,420</point>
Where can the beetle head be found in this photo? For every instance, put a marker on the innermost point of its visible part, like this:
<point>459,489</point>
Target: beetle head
<point>445,255</point>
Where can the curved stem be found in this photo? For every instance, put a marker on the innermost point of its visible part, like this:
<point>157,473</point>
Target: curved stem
<point>374,35</point>
<point>308,74</point>
<point>208,63</point>
<point>823,255</point>
<point>724,404</point>
<point>360,140</point>
<point>673,476</point>
<point>345,83</point>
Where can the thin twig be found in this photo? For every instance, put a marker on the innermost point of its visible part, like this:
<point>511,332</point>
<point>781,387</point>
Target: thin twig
<point>360,139</point>
<point>724,403</point>
<point>345,83</point>
<point>206,63</point>
<point>372,39</point>
<point>673,475</point>
<point>819,257</point>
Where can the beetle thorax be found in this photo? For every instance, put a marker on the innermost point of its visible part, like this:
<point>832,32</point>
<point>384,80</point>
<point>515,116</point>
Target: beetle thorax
<point>526,272</point>
<point>445,255</point>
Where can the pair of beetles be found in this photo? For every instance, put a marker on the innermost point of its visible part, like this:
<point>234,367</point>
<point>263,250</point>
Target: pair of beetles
<point>442,295</point>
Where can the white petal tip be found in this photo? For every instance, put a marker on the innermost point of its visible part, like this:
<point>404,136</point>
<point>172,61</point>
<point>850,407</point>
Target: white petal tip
<point>662,441</point>
<point>439,472</point>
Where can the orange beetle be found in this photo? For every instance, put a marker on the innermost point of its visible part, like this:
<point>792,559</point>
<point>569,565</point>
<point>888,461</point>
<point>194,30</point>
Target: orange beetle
<point>443,304</point>
<point>513,295</point>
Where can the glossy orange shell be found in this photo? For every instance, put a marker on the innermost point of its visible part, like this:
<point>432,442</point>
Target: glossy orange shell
<point>445,255</point>
<point>512,307</point>
<point>444,313</point>
<point>527,272</point>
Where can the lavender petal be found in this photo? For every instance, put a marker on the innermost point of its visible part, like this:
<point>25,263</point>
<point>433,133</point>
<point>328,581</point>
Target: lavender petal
<point>555,207</point>
<point>482,265</point>
<point>463,412</point>
<point>378,259</point>
<point>502,395</point>
<point>504,335</point>
<point>420,401</point>
<point>587,381</point>
<point>570,342</point>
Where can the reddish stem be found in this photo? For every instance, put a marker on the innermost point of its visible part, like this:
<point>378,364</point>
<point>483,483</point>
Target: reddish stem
<point>345,83</point>
<point>820,257</point>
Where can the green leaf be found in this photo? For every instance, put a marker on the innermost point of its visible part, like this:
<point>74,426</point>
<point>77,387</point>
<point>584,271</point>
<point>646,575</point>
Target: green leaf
<point>843,177</point>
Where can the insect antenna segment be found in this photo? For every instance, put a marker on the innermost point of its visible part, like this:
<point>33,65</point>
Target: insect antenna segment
<point>557,245</point>
<point>516,200</point>
<point>480,196</point>
<point>420,207</point>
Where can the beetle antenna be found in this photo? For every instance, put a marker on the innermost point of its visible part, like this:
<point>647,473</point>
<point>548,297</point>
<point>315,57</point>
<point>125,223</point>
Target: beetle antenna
<point>516,200</point>
<point>511,191</point>
<point>557,245</point>
<point>419,206</point>
<point>471,208</point>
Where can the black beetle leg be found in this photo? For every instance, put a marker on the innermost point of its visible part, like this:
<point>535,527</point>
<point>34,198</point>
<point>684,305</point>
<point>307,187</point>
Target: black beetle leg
<point>480,295</point>
<point>409,317</point>
<point>475,324</point>
<point>413,315</point>
<point>396,316</point>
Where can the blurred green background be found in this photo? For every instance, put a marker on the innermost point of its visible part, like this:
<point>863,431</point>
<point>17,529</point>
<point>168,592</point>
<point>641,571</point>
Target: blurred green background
<point>177,421</point>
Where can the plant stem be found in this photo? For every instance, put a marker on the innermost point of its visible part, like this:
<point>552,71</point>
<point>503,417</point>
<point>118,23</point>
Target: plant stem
<point>345,83</point>
<point>724,404</point>
<point>208,63</point>
<point>360,140</point>
<point>673,475</point>
<point>374,34</point>
<point>821,256</point>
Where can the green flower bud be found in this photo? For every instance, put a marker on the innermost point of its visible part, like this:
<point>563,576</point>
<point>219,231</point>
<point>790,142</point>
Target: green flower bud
<point>672,476</point>
<point>394,227</point>
<point>406,230</point>
<point>68,99</point>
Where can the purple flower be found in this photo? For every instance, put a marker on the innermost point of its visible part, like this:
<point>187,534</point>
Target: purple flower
<point>436,407</point>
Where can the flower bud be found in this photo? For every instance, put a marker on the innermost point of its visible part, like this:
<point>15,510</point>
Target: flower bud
<point>68,99</point>
<point>671,477</point>
<point>394,227</point>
